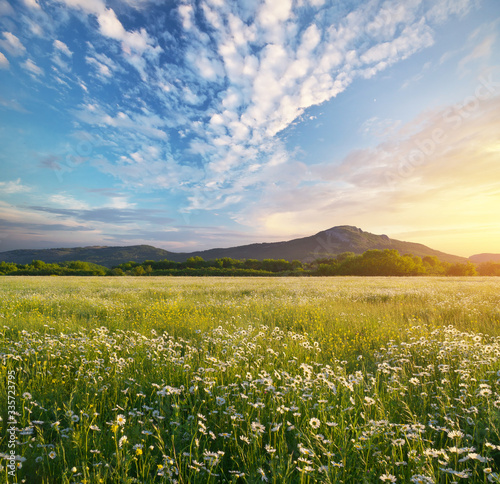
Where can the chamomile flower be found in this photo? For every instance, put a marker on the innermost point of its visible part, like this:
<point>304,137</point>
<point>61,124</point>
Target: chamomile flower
<point>314,423</point>
<point>388,478</point>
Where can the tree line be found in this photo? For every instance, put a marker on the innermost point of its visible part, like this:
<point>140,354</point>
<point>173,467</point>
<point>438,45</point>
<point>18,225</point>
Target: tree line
<point>374,262</point>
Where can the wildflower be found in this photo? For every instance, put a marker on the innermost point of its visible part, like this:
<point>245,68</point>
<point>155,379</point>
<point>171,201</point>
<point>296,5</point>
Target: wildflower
<point>263,476</point>
<point>388,478</point>
<point>314,423</point>
<point>120,420</point>
<point>220,401</point>
<point>305,451</point>
<point>258,427</point>
<point>420,479</point>
<point>123,440</point>
<point>477,457</point>
<point>52,454</point>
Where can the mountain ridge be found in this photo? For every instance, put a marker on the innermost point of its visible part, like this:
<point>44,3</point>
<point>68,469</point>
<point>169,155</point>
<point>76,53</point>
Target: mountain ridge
<point>327,243</point>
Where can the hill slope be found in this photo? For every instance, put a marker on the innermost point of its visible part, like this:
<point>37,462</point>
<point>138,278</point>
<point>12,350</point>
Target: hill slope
<point>478,258</point>
<point>327,243</point>
<point>105,256</point>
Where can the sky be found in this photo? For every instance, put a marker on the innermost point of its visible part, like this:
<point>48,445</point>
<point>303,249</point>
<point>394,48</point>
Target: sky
<point>190,125</point>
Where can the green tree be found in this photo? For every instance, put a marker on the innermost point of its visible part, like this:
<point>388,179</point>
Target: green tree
<point>326,270</point>
<point>467,269</point>
<point>7,267</point>
<point>196,261</point>
<point>345,255</point>
<point>489,269</point>
<point>253,264</point>
<point>38,264</point>
<point>138,271</point>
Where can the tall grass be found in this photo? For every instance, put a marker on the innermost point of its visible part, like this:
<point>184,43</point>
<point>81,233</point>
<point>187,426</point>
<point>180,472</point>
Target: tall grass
<point>252,380</point>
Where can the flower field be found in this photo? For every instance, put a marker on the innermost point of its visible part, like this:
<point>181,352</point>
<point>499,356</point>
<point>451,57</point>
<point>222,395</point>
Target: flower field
<point>249,380</point>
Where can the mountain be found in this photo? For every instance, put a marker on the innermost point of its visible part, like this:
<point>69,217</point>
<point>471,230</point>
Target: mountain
<point>327,243</point>
<point>478,258</point>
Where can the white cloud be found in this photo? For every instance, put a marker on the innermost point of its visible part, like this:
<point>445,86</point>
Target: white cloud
<point>103,71</point>
<point>146,123</point>
<point>6,8</point>
<point>141,4</point>
<point>272,14</point>
<point>32,4</point>
<point>135,44</point>
<point>13,104</point>
<point>111,27</point>
<point>412,39</point>
<point>11,187</point>
<point>121,203</point>
<point>92,7</point>
<point>31,67</point>
<point>67,202</point>
<point>186,13</point>
<point>62,47</point>
<point>12,45</point>
<point>4,63</point>
<point>443,9</point>
<point>481,50</point>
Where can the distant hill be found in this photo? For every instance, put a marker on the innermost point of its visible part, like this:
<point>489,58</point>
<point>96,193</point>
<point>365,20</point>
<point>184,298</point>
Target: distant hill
<point>105,256</point>
<point>327,243</point>
<point>478,258</point>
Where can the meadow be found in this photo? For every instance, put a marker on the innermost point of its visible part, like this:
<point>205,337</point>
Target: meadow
<point>249,380</point>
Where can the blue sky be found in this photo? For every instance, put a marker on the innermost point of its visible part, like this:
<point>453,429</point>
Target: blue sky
<point>192,125</point>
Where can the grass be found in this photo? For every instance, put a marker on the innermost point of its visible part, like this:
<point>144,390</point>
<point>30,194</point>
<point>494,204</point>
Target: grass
<point>295,380</point>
